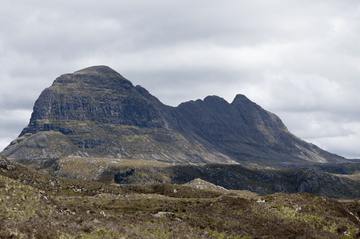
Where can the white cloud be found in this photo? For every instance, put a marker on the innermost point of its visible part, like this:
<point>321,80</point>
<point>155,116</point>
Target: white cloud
<point>345,146</point>
<point>295,91</point>
<point>338,25</point>
<point>12,122</point>
<point>4,142</point>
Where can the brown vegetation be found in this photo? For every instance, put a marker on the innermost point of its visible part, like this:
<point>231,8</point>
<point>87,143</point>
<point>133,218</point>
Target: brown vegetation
<point>35,205</point>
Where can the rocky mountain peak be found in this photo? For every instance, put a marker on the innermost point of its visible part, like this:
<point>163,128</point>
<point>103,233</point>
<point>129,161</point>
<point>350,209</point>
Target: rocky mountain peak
<point>97,70</point>
<point>240,98</point>
<point>98,76</point>
<point>255,115</point>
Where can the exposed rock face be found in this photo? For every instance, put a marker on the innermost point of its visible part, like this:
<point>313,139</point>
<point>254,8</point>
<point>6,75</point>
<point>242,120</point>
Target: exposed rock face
<point>95,94</point>
<point>5,164</point>
<point>96,112</point>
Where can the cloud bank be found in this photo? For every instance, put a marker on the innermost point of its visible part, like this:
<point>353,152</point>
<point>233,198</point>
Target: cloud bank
<point>297,59</point>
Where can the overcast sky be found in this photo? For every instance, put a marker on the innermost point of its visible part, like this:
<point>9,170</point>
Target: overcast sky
<point>299,59</point>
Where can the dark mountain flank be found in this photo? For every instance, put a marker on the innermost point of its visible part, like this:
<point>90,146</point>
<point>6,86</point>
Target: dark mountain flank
<point>97,113</point>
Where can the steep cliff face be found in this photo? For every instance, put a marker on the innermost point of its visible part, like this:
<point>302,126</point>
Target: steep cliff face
<point>94,94</point>
<point>96,112</point>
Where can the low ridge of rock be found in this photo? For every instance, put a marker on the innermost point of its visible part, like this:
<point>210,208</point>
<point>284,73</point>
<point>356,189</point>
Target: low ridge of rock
<point>201,184</point>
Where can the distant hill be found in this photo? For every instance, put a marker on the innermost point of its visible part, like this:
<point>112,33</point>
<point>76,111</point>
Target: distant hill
<point>97,113</point>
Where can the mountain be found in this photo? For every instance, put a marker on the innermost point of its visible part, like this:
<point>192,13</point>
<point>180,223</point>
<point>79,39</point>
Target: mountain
<point>97,113</point>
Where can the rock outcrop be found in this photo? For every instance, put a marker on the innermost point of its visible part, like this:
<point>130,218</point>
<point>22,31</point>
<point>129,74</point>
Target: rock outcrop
<point>96,112</point>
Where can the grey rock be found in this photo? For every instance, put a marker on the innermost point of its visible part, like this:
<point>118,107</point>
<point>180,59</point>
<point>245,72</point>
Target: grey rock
<point>4,163</point>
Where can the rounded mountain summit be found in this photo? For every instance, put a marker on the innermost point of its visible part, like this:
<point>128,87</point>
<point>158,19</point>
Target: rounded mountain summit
<point>97,113</point>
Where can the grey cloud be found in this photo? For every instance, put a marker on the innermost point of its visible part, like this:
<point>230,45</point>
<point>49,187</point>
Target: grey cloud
<point>173,87</point>
<point>298,59</point>
<point>12,121</point>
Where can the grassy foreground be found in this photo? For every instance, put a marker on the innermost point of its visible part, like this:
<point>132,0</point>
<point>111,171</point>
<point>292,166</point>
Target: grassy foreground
<point>35,205</point>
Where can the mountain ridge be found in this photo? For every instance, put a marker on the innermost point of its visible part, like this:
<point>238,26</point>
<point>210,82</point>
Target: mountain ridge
<point>96,112</point>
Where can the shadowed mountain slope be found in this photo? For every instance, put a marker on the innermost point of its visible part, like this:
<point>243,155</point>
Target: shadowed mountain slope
<point>96,112</point>
<point>245,131</point>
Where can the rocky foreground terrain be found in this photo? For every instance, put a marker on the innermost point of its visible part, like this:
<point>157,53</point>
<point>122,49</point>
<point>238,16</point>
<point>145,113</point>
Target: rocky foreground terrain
<point>36,205</point>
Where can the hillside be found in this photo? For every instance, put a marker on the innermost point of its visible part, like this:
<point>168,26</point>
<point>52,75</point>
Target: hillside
<point>85,209</point>
<point>97,113</point>
<point>257,179</point>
